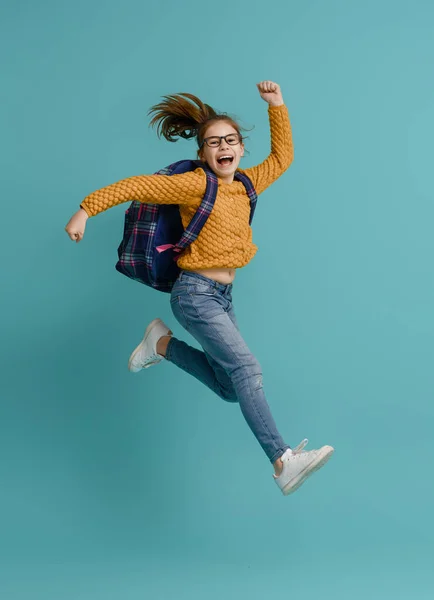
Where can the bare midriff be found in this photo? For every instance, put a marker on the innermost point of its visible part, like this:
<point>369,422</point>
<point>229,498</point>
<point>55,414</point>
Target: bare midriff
<point>224,276</point>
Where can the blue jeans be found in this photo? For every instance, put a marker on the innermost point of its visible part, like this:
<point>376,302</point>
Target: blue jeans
<point>226,365</point>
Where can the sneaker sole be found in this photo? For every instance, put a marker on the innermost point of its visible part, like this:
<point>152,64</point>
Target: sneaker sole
<point>134,354</point>
<point>293,485</point>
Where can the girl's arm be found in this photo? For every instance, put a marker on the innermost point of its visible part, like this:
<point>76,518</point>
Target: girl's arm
<point>185,188</point>
<point>282,151</point>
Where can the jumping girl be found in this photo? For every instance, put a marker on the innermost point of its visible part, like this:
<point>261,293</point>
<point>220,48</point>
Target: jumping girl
<point>201,298</point>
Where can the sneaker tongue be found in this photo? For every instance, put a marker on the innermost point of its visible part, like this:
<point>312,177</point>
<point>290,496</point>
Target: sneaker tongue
<point>288,452</point>
<point>300,446</point>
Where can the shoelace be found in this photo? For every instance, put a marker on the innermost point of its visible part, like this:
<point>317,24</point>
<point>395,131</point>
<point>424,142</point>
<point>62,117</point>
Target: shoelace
<point>152,358</point>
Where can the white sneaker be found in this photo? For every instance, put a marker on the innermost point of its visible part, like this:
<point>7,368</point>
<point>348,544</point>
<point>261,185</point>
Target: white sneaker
<point>145,355</point>
<point>298,465</point>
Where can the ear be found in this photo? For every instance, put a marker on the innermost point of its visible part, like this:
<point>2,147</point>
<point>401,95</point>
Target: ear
<point>242,150</point>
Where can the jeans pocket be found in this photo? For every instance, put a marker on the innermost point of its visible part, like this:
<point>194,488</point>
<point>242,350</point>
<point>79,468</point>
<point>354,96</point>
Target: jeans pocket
<point>205,306</point>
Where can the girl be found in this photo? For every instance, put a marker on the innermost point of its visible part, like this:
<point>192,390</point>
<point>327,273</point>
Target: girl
<point>201,298</point>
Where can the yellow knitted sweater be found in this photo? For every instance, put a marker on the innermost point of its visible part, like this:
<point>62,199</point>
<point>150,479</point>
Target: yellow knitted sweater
<point>226,239</point>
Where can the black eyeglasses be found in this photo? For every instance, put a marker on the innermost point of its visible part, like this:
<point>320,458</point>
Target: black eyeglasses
<point>215,140</point>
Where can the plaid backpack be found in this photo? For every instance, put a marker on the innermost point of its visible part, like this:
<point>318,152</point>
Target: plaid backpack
<point>154,235</point>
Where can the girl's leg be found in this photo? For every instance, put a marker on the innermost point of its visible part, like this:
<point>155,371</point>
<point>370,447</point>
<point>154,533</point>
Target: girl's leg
<point>196,363</point>
<point>202,366</point>
<point>204,311</point>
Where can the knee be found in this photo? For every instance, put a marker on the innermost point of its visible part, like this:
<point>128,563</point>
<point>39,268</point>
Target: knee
<point>251,371</point>
<point>257,381</point>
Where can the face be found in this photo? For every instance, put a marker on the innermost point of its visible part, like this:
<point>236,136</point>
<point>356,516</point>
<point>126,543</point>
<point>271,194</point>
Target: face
<point>224,170</point>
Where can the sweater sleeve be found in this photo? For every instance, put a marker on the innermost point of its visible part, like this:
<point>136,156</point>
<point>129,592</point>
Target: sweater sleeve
<point>185,188</point>
<point>282,151</point>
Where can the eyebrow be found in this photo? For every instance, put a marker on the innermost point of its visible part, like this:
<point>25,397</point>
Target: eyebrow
<point>215,134</point>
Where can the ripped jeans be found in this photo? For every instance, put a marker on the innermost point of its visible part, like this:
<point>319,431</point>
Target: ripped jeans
<point>226,365</point>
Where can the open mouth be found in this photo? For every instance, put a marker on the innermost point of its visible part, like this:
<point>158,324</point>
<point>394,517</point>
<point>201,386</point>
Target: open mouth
<point>224,161</point>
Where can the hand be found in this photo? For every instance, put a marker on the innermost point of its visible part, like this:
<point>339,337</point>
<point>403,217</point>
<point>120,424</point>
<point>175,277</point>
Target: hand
<point>76,226</point>
<point>270,92</point>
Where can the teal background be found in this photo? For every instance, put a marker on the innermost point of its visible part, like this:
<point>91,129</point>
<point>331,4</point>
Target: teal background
<point>115,486</point>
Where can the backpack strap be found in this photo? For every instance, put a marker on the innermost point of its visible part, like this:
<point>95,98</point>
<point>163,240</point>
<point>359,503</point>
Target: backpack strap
<point>212,186</point>
<point>196,224</point>
<point>251,192</point>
